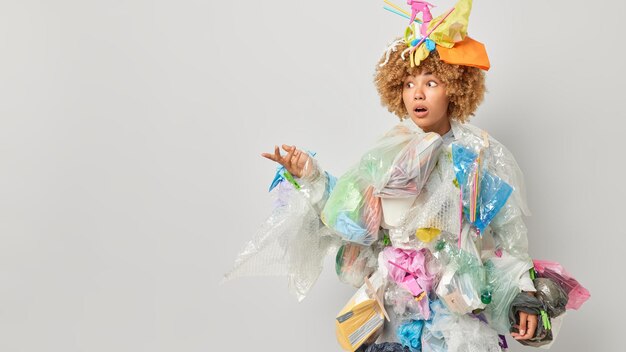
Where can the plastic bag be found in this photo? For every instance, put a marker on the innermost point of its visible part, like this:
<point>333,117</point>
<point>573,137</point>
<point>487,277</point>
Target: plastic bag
<point>354,263</point>
<point>397,166</point>
<point>484,193</point>
<point>462,333</point>
<point>503,275</point>
<point>554,271</point>
<point>551,295</point>
<point>410,334</point>
<point>524,302</point>
<point>462,284</point>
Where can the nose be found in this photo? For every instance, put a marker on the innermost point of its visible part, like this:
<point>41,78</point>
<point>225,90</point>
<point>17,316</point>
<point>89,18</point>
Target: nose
<point>418,94</point>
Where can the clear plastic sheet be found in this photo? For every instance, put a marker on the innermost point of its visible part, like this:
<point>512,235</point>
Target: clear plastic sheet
<point>433,341</point>
<point>354,263</point>
<point>402,303</point>
<point>292,242</point>
<point>462,333</point>
<point>503,275</point>
<point>397,166</point>
<point>411,167</point>
<point>554,271</point>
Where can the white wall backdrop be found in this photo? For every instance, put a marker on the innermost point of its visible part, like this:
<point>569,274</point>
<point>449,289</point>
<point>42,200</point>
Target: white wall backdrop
<point>130,134</point>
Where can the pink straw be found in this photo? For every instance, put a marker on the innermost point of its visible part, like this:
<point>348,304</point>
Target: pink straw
<point>435,27</point>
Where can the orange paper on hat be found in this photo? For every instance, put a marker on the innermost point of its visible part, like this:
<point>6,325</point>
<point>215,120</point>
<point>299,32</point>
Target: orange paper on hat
<point>467,52</point>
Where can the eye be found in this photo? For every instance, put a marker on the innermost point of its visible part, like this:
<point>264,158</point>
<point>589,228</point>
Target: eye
<point>410,85</point>
<point>432,84</point>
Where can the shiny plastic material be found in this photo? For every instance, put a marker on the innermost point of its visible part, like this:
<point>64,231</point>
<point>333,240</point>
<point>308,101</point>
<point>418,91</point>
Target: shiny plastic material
<point>484,193</point>
<point>503,275</point>
<point>551,295</point>
<point>360,321</point>
<point>398,166</point>
<point>462,333</point>
<point>524,302</point>
<point>292,242</point>
<point>354,263</point>
<point>554,271</point>
<point>462,282</point>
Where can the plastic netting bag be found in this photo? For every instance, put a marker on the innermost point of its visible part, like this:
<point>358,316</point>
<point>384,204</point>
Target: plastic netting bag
<point>397,166</point>
<point>292,242</point>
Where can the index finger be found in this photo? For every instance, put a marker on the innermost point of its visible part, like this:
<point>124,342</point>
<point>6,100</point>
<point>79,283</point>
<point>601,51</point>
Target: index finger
<point>274,157</point>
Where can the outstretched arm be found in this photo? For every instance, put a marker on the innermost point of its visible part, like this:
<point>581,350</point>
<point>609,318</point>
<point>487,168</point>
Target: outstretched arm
<point>315,183</point>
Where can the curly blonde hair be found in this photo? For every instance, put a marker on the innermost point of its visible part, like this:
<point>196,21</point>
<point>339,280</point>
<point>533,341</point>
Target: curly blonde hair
<point>465,85</point>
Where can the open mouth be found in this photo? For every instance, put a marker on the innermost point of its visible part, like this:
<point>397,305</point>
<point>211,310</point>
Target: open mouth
<point>420,109</point>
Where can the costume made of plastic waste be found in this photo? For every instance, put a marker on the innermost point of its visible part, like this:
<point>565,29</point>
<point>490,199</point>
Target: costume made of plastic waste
<point>446,272</point>
<point>429,228</point>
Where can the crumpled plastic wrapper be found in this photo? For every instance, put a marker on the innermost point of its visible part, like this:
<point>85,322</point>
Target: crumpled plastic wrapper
<point>462,281</point>
<point>409,270</point>
<point>462,333</point>
<point>292,242</point>
<point>354,263</point>
<point>387,347</point>
<point>551,295</point>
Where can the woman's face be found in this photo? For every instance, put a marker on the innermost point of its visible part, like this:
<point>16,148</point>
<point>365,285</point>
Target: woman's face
<point>425,100</point>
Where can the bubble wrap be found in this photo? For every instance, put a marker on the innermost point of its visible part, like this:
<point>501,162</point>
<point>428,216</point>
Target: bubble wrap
<point>292,242</point>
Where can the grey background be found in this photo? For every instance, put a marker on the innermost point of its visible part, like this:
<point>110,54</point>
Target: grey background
<point>130,135</point>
